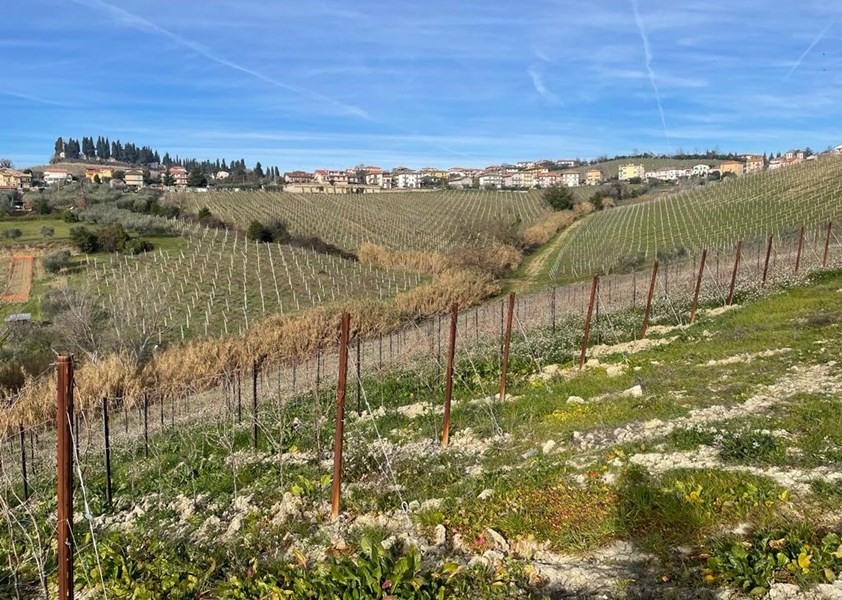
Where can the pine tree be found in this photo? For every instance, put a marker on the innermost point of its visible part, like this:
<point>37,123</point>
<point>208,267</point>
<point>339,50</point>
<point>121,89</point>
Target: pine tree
<point>258,170</point>
<point>59,147</point>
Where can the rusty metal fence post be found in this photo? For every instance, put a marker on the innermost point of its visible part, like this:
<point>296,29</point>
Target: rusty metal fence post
<point>826,244</point>
<point>798,254</point>
<point>64,419</point>
<point>733,285</point>
<point>768,256</point>
<point>254,437</point>
<point>448,390</point>
<point>339,430</point>
<point>507,339</point>
<point>587,334</point>
<point>649,298</point>
<point>106,438</point>
<point>698,286</point>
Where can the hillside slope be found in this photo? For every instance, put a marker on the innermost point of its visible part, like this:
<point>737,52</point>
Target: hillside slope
<point>749,208</point>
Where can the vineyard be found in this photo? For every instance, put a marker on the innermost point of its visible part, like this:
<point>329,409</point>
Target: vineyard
<point>427,221</point>
<point>663,460</point>
<point>220,283</point>
<point>748,208</point>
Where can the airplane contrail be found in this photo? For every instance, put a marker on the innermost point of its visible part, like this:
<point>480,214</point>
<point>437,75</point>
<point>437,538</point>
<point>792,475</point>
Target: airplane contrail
<point>648,53</point>
<point>809,49</point>
<point>143,24</point>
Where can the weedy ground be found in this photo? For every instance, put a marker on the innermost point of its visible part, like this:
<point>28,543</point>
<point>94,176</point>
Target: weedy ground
<point>705,465</point>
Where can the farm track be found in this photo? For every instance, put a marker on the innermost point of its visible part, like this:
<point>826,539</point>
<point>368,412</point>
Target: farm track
<point>19,278</point>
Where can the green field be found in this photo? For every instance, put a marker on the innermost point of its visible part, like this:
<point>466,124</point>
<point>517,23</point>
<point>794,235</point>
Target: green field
<point>715,216</point>
<point>31,231</point>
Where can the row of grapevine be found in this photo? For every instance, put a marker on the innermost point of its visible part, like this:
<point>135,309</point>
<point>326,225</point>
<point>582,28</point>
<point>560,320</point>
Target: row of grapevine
<point>221,282</point>
<point>428,221</point>
<point>750,207</point>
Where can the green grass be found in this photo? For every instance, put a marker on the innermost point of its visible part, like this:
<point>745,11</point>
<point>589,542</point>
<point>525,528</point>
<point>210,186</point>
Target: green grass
<point>572,499</point>
<point>31,231</point>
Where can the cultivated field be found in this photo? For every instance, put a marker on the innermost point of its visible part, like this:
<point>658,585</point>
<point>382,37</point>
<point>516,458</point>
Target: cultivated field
<point>425,221</point>
<point>749,208</point>
<point>220,282</point>
<point>18,278</point>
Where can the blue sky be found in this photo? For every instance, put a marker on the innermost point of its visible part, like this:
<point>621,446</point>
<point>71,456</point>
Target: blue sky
<point>323,83</point>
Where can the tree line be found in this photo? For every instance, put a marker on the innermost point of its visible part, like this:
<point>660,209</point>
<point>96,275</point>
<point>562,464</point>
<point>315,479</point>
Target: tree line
<point>104,149</point>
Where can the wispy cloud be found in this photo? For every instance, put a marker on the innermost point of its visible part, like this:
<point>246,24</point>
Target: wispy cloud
<point>538,84</point>
<point>812,45</point>
<point>36,99</point>
<point>142,24</point>
<point>648,54</point>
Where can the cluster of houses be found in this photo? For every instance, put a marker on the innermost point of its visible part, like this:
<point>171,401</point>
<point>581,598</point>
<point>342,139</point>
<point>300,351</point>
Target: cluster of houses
<point>11,179</point>
<point>367,179</point>
<point>747,163</point>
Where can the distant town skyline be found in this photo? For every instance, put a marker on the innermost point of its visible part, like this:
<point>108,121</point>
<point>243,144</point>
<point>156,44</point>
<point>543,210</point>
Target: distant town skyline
<point>328,84</point>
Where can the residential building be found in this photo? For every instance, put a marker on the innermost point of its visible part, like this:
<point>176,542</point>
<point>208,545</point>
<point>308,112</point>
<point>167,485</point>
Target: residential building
<point>631,171</point>
<point>775,164</point>
<point>491,179</point>
<point>701,170</point>
<point>754,163</point>
<point>571,179</point>
<point>179,175</point>
<point>731,166</point>
<point>374,176</point>
<point>567,162</point>
<point>221,175</point>
<point>838,149</point>
<point>546,180</point>
<point>388,181</point>
<point>523,179</point>
<point>10,178</point>
<point>461,183</point>
<point>103,173</point>
<point>134,178</point>
<point>55,175</point>
<point>298,177</point>
<point>406,180</point>
<point>593,177</point>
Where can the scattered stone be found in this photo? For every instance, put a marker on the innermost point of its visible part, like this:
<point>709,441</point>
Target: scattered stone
<point>615,370</point>
<point>440,535</point>
<point>548,446</point>
<point>633,392</point>
<point>529,453</point>
<point>485,494</point>
<point>576,400</point>
<point>499,541</point>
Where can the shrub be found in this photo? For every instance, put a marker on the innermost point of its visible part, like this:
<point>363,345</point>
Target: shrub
<point>47,232</point>
<point>84,239</point>
<point>12,233</point>
<point>55,262</point>
<point>139,246</point>
<point>559,198</point>
<point>258,232</point>
<point>68,216</point>
<point>112,238</point>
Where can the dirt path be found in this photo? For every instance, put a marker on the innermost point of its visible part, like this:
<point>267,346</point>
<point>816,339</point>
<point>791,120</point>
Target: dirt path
<point>529,277</point>
<point>19,279</point>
